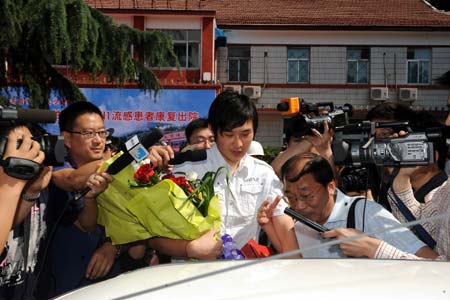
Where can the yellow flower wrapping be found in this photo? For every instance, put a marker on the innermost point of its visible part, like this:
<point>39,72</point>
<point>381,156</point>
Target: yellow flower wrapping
<point>132,214</point>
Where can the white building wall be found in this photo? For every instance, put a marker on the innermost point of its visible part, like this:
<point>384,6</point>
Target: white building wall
<point>222,64</point>
<point>440,61</point>
<point>391,58</point>
<point>328,65</point>
<point>268,64</point>
<point>270,129</point>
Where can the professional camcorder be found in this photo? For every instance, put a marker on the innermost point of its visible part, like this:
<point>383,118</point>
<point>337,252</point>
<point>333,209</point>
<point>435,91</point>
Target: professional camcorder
<point>313,115</point>
<point>52,145</point>
<point>355,145</point>
<point>293,106</point>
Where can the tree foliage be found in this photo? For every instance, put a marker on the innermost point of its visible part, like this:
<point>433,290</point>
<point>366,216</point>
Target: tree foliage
<point>440,4</point>
<point>36,35</point>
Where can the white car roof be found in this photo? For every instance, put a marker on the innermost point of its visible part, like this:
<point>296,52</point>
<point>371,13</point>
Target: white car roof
<point>279,279</point>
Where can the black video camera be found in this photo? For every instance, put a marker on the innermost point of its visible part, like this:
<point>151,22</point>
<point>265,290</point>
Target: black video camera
<point>293,106</point>
<point>304,124</point>
<point>52,145</point>
<point>354,145</point>
<point>313,115</point>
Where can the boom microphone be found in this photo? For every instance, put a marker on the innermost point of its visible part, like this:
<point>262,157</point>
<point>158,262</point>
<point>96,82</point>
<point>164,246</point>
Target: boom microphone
<point>190,155</point>
<point>126,158</point>
<point>19,115</point>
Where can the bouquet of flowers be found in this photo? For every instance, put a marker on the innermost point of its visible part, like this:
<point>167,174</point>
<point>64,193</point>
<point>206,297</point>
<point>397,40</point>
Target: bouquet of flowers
<point>139,205</point>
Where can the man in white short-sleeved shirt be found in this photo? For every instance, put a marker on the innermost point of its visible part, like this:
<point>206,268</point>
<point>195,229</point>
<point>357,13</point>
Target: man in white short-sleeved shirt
<point>233,120</point>
<point>253,182</point>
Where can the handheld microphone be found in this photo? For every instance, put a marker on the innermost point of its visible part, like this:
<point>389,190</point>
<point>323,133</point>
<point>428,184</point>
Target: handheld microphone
<point>126,158</point>
<point>190,155</point>
<point>304,220</point>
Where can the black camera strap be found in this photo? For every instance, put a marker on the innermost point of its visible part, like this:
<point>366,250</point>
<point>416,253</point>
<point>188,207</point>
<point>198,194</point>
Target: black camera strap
<point>20,168</point>
<point>423,235</point>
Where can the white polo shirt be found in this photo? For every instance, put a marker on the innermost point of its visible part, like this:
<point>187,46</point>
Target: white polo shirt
<point>376,218</point>
<point>253,182</point>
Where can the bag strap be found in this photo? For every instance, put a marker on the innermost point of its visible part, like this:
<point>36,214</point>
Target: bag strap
<point>351,213</point>
<point>423,235</point>
<point>431,184</point>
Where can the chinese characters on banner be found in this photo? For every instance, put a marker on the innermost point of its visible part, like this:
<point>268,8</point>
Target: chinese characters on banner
<point>131,111</point>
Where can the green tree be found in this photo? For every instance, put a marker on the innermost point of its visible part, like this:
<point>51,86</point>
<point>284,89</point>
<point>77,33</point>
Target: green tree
<point>36,35</point>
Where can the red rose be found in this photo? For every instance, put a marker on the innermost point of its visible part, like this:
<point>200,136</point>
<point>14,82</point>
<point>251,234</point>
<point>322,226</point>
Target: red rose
<point>144,173</point>
<point>180,181</point>
<point>168,176</point>
<point>189,188</point>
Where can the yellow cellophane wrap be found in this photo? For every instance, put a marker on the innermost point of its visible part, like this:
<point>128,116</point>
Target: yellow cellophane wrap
<point>138,213</point>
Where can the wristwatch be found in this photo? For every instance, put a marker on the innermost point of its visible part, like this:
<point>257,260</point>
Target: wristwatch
<point>30,197</point>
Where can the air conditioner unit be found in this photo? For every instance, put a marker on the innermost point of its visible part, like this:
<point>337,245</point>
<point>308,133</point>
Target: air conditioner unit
<point>232,88</point>
<point>409,94</point>
<point>253,92</point>
<point>379,93</point>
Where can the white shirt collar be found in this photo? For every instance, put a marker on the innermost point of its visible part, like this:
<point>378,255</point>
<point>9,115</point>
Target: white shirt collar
<point>340,208</point>
<point>217,159</point>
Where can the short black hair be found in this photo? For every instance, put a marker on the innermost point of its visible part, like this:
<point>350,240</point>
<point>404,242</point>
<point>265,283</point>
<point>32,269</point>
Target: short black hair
<point>390,110</point>
<point>424,121</point>
<point>68,116</point>
<point>230,110</point>
<point>295,127</point>
<point>316,165</point>
<point>199,123</point>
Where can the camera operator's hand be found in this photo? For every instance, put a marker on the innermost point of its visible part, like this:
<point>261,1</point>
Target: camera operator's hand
<point>35,186</point>
<point>27,149</point>
<point>402,181</point>
<point>322,141</point>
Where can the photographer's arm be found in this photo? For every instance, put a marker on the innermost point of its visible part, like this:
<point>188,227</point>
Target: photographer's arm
<point>301,147</point>
<point>31,192</point>
<point>70,179</point>
<point>403,189</point>
<point>11,188</point>
<point>206,247</point>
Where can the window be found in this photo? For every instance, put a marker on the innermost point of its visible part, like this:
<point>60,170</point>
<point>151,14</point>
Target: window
<point>239,64</point>
<point>418,60</point>
<point>358,60</point>
<point>298,64</point>
<point>186,46</point>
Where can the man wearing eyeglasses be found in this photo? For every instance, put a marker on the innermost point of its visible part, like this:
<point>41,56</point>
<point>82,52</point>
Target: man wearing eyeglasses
<point>79,253</point>
<point>198,135</point>
<point>311,190</point>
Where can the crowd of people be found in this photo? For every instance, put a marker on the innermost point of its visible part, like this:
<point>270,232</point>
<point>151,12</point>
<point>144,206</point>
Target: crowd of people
<point>52,244</point>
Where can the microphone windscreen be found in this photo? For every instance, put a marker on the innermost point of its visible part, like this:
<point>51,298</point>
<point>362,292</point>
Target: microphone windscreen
<point>125,159</point>
<point>35,116</point>
<point>181,157</point>
<point>152,138</point>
